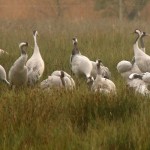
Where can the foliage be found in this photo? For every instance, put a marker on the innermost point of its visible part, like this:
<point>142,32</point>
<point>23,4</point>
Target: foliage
<point>130,9</point>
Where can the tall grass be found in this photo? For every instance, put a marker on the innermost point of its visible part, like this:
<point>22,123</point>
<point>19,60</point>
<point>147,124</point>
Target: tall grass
<point>33,119</point>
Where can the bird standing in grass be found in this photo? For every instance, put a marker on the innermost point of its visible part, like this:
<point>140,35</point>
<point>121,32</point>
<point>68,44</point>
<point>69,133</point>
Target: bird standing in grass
<point>125,68</point>
<point>141,59</point>
<point>18,72</point>
<point>80,64</point>
<point>35,64</point>
<point>101,84</point>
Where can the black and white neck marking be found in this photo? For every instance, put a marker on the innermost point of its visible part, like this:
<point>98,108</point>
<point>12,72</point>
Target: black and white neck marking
<point>35,33</point>
<point>98,63</point>
<point>75,48</point>
<point>142,41</point>
<point>135,76</point>
<point>138,32</point>
<point>62,75</point>
<point>23,47</point>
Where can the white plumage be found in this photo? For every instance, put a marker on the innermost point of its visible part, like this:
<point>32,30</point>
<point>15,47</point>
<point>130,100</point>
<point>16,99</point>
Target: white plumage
<point>3,75</point>
<point>102,84</point>
<point>144,76</point>
<point>142,60</point>
<point>18,72</point>
<point>71,82</point>
<point>52,82</point>
<point>127,71</point>
<point>58,80</point>
<point>80,64</point>
<point>140,83</point>
<point>35,64</point>
<point>125,68</point>
<point>104,70</point>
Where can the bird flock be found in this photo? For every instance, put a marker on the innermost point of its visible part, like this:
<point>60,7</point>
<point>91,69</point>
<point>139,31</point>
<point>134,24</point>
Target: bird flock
<point>27,72</point>
<point>137,72</point>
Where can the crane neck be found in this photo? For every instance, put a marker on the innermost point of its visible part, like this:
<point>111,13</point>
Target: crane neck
<point>137,39</point>
<point>36,48</point>
<point>35,39</point>
<point>62,78</point>
<point>142,43</point>
<point>98,69</point>
<point>23,50</point>
<point>136,46</point>
<point>75,49</point>
<point>62,81</point>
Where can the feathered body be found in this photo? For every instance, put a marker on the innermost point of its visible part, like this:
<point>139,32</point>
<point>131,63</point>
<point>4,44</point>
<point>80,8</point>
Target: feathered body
<point>102,84</point>
<point>58,80</point>
<point>35,64</point>
<point>3,75</point>
<point>52,82</point>
<point>104,71</point>
<point>140,83</point>
<point>142,60</point>
<point>67,76</point>
<point>80,64</point>
<point>18,72</point>
<point>125,68</point>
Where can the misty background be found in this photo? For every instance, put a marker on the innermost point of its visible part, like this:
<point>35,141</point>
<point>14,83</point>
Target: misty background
<point>71,10</point>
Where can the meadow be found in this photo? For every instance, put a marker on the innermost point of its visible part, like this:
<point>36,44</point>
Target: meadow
<point>34,119</point>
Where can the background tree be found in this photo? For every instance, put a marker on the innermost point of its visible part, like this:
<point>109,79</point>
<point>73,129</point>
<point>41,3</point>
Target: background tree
<point>130,9</point>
